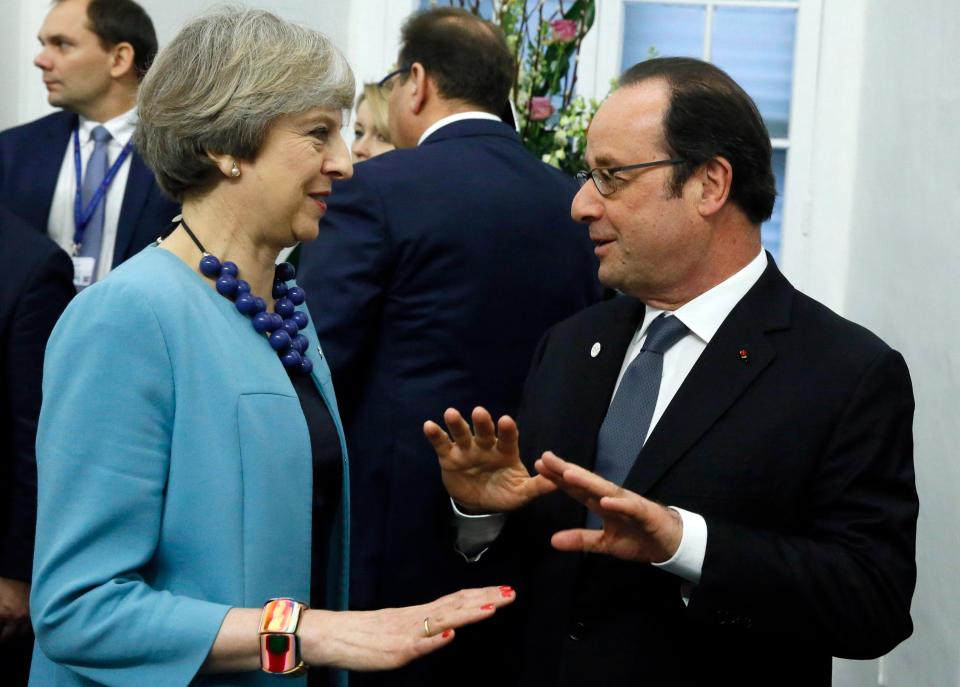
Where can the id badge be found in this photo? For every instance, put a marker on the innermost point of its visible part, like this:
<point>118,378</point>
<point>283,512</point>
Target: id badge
<point>83,267</point>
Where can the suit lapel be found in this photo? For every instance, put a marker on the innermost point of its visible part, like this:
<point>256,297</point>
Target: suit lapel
<point>599,374</point>
<point>719,377</point>
<point>591,381</point>
<point>45,170</point>
<point>139,182</point>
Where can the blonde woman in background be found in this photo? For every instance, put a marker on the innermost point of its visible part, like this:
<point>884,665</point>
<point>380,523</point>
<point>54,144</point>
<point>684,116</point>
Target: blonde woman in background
<point>370,130</point>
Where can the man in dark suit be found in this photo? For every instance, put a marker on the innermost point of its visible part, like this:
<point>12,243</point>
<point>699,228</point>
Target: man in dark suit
<point>36,286</point>
<point>744,454</point>
<point>418,255</point>
<point>93,55</point>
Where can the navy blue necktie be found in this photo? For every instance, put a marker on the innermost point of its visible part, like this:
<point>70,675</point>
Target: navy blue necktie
<point>94,176</point>
<point>625,426</point>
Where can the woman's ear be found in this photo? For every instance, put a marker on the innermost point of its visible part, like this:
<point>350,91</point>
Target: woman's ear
<point>228,165</point>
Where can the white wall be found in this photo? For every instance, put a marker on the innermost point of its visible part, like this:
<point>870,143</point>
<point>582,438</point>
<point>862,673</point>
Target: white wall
<point>903,283</point>
<point>9,50</point>
<point>23,95</point>
<point>880,243</point>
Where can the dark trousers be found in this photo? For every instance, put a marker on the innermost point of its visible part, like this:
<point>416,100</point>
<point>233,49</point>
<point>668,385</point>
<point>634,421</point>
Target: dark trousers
<point>15,661</point>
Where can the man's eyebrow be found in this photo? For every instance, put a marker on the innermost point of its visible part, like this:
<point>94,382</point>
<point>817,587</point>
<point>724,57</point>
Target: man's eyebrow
<point>604,161</point>
<point>55,38</point>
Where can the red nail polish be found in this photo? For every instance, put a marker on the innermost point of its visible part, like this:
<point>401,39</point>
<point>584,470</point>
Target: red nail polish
<point>505,588</point>
<point>506,592</point>
<point>487,607</point>
<point>446,633</point>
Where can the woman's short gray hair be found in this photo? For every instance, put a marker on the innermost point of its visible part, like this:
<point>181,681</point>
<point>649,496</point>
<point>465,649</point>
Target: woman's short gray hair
<point>220,83</point>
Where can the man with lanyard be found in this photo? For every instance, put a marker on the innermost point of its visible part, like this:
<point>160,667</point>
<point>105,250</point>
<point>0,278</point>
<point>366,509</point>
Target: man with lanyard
<point>74,173</point>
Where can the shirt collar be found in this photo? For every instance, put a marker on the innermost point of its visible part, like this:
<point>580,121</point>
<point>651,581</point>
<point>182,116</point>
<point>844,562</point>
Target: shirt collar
<point>705,313</point>
<point>459,117</point>
<point>120,127</point>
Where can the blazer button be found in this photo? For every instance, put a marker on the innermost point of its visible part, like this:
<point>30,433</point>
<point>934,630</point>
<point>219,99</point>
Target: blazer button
<point>577,631</point>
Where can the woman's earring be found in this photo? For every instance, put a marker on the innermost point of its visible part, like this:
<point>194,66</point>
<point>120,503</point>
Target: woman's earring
<point>235,170</point>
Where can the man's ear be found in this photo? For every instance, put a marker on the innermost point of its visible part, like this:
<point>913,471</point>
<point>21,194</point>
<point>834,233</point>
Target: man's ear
<point>122,60</point>
<point>716,180</point>
<point>417,85</point>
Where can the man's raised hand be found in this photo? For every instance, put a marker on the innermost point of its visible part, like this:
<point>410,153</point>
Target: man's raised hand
<point>481,468</point>
<point>634,528</point>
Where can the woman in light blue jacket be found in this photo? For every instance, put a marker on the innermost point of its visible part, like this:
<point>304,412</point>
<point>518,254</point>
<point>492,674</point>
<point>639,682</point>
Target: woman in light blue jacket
<point>191,462</point>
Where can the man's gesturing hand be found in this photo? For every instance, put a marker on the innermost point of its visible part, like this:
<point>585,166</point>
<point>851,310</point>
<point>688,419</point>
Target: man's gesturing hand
<point>634,528</point>
<point>481,469</point>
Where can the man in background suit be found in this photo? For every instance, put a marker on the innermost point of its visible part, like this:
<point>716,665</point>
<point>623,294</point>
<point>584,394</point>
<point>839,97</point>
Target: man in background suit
<point>36,286</point>
<point>419,254</point>
<point>93,55</point>
<point>744,454</point>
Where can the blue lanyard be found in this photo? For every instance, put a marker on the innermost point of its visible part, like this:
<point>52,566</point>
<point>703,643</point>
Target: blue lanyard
<point>81,216</point>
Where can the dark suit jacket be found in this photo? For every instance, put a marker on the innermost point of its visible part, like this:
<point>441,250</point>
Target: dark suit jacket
<point>30,160</point>
<point>800,460</point>
<point>439,268</point>
<point>36,285</point>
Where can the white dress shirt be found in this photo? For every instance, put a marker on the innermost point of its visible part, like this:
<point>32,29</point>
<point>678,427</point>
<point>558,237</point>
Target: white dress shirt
<point>703,317</point>
<point>60,224</point>
<point>459,117</point>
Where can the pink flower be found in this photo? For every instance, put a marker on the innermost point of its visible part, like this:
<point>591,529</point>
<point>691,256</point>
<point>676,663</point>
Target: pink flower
<point>540,108</point>
<point>564,30</point>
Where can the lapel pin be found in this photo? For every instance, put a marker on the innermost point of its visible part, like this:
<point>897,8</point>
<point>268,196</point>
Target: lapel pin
<point>595,350</point>
<point>744,355</point>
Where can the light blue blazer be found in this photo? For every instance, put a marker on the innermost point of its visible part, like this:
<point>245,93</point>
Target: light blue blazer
<point>175,481</point>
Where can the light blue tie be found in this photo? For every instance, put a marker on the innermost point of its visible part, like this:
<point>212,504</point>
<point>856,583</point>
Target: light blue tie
<point>625,426</point>
<point>96,171</point>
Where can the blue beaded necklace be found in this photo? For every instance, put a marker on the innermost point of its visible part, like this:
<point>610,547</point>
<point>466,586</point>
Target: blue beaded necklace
<point>282,326</point>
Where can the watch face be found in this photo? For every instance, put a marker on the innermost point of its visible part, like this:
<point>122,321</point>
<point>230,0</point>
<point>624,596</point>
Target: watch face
<point>280,615</point>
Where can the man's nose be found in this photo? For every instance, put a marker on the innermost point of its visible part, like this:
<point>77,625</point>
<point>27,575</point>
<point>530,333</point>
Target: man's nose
<point>42,60</point>
<point>587,205</point>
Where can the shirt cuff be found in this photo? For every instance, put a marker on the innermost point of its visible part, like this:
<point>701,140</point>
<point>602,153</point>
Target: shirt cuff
<point>687,562</point>
<point>475,533</point>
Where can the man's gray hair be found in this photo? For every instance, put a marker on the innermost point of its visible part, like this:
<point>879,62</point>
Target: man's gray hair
<point>221,82</point>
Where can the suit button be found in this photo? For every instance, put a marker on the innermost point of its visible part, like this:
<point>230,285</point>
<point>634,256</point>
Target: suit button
<point>577,631</point>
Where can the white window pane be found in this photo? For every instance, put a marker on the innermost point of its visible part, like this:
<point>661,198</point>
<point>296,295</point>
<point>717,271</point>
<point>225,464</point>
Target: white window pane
<point>670,30</point>
<point>755,46</point>
<point>770,231</point>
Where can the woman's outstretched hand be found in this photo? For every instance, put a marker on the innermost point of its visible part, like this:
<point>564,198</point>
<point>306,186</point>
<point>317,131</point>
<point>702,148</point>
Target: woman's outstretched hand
<point>392,637</point>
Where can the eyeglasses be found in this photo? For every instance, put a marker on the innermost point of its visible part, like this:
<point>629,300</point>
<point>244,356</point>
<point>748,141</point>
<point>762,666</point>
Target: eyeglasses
<point>386,83</point>
<point>604,178</point>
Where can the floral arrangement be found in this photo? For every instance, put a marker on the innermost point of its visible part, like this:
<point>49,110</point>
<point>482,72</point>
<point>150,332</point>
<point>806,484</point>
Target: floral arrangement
<point>552,120</point>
